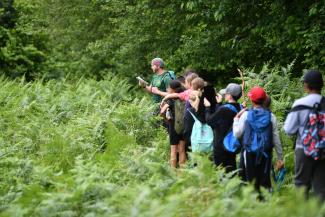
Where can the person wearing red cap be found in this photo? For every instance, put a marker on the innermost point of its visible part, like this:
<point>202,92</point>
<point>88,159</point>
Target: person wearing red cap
<point>257,127</point>
<point>308,171</point>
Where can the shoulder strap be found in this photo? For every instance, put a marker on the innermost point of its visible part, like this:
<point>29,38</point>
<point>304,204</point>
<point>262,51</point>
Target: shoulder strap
<point>303,107</point>
<point>231,107</point>
<point>164,76</point>
<point>195,119</point>
<point>300,107</point>
<point>168,73</point>
<point>322,103</point>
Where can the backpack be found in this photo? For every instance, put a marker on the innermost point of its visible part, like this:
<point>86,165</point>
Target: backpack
<point>258,136</point>
<point>230,142</point>
<point>179,108</point>
<point>201,137</point>
<point>313,136</point>
<point>172,76</point>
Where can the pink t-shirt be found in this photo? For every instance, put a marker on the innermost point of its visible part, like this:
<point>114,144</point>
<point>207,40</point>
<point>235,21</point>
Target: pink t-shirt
<point>185,95</point>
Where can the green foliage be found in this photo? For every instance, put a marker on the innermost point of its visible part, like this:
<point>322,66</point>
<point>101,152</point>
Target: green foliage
<point>51,39</point>
<point>83,149</point>
<point>22,51</point>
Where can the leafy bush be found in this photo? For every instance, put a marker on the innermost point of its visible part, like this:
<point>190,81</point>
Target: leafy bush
<point>84,149</point>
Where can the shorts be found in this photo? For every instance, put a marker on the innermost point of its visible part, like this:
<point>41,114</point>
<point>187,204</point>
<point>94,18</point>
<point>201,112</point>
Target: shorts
<point>174,137</point>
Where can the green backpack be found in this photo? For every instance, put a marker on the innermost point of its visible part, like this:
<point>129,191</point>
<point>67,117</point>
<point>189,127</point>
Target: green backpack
<point>179,116</point>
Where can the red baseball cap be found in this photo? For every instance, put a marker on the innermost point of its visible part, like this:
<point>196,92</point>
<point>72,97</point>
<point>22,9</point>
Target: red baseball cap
<point>257,94</point>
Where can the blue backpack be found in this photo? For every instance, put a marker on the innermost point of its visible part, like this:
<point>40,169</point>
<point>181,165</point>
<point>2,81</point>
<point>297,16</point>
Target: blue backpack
<point>257,136</point>
<point>201,137</point>
<point>230,142</point>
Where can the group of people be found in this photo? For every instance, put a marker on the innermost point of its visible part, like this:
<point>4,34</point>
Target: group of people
<point>186,99</point>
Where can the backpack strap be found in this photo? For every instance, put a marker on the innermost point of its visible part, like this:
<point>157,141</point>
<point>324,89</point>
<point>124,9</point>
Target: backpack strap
<point>163,78</point>
<point>303,107</point>
<point>168,73</point>
<point>322,104</point>
<point>195,119</point>
<point>300,107</point>
<point>231,107</point>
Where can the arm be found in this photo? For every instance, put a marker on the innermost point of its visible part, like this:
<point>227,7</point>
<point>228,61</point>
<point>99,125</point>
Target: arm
<point>276,138</point>
<point>145,86</point>
<point>170,96</point>
<point>291,124</point>
<point>164,108</point>
<point>239,123</point>
<point>212,117</point>
<point>156,91</point>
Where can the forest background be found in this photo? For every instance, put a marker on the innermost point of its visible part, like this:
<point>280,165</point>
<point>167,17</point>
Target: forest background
<point>89,38</point>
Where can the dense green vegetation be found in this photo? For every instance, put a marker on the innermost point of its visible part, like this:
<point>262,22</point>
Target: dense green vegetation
<point>56,38</point>
<point>89,148</point>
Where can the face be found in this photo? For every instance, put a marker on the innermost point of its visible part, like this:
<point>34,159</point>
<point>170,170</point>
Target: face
<point>306,89</point>
<point>228,97</point>
<point>187,85</point>
<point>154,67</point>
<point>170,90</point>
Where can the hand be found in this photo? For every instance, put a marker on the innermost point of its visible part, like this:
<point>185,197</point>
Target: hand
<point>154,90</point>
<point>244,104</point>
<point>239,114</point>
<point>206,102</point>
<point>162,104</point>
<point>219,98</point>
<point>279,165</point>
<point>141,83</point>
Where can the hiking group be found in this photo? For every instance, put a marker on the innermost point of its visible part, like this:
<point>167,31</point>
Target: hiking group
<point>198,120</point>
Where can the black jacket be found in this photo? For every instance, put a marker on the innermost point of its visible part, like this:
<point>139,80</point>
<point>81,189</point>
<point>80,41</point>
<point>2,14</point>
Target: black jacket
<point>221,120</point>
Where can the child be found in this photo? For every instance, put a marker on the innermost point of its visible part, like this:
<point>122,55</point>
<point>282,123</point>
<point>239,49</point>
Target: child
<point>309,172</point>
<point>221,121</point>
<point>196,106</point>
<point>259,132</point>
<point>177,143</point>
<point>184,96</point>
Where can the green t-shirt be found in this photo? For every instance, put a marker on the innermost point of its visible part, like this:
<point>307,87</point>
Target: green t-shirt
<point>161,82</point>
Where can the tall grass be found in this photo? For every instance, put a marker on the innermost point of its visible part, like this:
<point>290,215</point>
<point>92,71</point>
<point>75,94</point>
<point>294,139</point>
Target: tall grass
<point>91,148</point>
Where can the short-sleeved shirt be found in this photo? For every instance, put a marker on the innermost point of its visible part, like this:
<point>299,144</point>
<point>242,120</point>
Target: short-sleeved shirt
<point>185,95</point>
<point>161,82</point>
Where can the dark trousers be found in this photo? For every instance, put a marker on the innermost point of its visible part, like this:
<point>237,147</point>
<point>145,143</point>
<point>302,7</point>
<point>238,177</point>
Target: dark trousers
<point>223,158</point>
<point>256,168</point>
<point>310,173</point>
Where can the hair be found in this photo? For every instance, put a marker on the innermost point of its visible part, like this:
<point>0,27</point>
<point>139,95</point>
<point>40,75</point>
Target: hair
<point>176,86</point>
<point>198,84</point>
<point>189,71</point>
<point>210,94</point>
<point>191,77</point>
<point>315,87</point>
<point>267,102</point>
<point>158,62</point>
<point>314,80</point>
<point>181,79</point>
<point>259,102</point>
<point>236,98</point>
